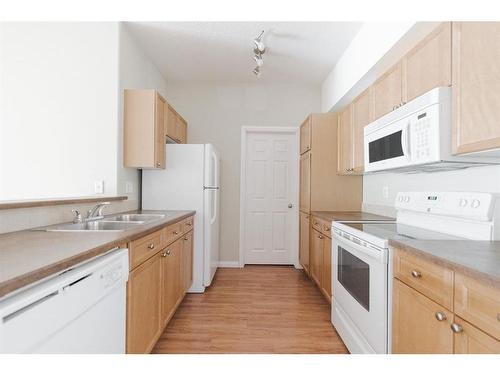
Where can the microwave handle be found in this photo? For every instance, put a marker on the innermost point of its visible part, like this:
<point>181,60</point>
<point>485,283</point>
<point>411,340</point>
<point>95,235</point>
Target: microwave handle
<point>406,140</point>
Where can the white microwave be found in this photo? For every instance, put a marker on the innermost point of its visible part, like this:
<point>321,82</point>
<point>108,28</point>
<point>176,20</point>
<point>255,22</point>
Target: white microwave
<point>416,137</point>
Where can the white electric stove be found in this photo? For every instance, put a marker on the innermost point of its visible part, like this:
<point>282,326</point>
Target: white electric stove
<point>362,267</point>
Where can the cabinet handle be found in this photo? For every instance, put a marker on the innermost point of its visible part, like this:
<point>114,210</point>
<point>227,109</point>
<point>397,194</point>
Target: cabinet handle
<point>158,165</point>
<point>185,238</point>
<point>189,224</point>
<point>416,274</point>
<point>457,328</point>
<point>175,233</point>
<point>151,246</point>
<point>164,254</point>
<point>440,316</point>
<point>320,237</point>
<point>327,229</point>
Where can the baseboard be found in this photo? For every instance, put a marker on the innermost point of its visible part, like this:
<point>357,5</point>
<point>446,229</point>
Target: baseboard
<point>229,264</point>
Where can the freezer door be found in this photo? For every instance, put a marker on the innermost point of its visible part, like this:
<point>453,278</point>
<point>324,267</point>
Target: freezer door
<point>212,228</point>
<point>212,167</point>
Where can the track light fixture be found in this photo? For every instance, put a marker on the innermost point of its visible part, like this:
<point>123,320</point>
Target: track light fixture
<point>258,51</point>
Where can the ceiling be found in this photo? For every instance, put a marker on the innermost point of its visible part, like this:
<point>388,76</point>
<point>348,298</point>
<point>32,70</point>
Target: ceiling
<point>297,52</point>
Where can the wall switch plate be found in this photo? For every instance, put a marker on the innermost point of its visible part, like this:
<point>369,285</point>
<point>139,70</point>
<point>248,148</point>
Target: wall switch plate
<point>385,192</point>
<point>99,187</point>
<point>129,187</point>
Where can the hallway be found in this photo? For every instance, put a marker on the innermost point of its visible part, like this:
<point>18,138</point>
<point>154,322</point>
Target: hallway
<point>257,309</point>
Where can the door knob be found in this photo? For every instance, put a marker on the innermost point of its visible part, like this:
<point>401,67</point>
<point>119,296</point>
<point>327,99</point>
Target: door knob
<point>290,205</point>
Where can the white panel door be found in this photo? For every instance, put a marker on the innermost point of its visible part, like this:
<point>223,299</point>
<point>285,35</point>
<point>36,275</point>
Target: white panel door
<point>271,180</point>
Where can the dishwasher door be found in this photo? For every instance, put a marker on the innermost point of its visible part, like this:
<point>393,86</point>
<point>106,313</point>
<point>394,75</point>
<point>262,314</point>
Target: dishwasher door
<point>82,310</point>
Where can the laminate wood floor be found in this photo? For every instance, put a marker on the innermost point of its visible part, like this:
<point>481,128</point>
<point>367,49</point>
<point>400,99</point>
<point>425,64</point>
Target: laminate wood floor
<point>256,309</point>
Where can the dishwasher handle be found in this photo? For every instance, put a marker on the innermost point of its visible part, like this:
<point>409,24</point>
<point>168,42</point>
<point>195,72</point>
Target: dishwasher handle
<point>31,305</point>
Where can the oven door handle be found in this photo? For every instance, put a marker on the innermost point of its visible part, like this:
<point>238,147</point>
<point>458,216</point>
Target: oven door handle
<point>379,255</point>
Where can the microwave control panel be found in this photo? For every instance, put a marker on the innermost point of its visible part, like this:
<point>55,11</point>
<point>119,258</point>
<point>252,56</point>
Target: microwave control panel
<point>422,135</point>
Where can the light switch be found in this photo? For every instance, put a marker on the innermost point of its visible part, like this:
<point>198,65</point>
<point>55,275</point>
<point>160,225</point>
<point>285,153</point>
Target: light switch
<point>129,187</point>
<point>99,187</point>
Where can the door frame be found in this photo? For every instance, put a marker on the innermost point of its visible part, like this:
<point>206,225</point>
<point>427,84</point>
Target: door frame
<point>245,130</point>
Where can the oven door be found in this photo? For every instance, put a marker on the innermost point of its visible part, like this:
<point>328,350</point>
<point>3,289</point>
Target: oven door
<point>388,147</point>
<point>359,310</point>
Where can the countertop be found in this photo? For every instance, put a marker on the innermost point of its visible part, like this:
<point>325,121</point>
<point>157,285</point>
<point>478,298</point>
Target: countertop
<point>31,255</point>
<point>349,216</point>
<point>479,259</point>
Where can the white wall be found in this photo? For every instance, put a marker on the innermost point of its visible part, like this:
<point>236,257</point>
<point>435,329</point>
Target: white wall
<point>58,109</point>
<point>216,113</point>
<point>136,71</point>
<point>482,179</point>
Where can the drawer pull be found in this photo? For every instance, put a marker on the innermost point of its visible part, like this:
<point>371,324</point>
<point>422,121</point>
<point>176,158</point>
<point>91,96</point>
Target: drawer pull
<point>320,237</point>
<point>457,328</point>
<point>185,238</point>
<point>151,246</point>
<point>175,233</point>
<point>327,229</point>
<point>440,316</point>
<point>189,224</point>
<point>416,274</point>
<point>164,254</point>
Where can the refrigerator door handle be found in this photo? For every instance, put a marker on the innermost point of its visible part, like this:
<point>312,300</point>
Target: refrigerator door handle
<point>215,209</point>
<point>210,188</point>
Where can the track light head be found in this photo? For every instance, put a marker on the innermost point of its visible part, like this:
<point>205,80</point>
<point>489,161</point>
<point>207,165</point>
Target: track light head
<point>258,59</point>
<point>259,45</point>
<point>256,71</point>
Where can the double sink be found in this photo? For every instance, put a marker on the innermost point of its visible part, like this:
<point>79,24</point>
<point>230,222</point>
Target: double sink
<point>115,223</point>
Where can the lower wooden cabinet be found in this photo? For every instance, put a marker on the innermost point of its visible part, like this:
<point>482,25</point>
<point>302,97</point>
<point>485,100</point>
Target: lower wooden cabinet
<point>157,286</point>
<point>321,262</point>
<point>304,228</point>
<point>421,323</point>
<point>326,277</point>
<point>416,325</point>
<point>316,256</point>
<point>143,306</point>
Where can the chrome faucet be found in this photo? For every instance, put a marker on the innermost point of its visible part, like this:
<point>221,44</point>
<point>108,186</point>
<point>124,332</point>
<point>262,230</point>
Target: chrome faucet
<point>96,212</point>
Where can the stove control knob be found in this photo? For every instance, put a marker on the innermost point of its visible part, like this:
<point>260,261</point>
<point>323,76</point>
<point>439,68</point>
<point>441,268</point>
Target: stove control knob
<point>475,203</point>
<point>407,199</point>
<point>462,202</point>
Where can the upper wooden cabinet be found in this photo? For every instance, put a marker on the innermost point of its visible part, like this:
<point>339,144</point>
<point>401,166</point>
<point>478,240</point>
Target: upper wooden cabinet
<point>305,135</point>
<point>476,86</point>
<point>344,162</point>
<point>387,91</point>
<point>428,65</point>
<point>361,116</point>
<point>143,134</point>
<point>321,189</point>
<point>175,126</point>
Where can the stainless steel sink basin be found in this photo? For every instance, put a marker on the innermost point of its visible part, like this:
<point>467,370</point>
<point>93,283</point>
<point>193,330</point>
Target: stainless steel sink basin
<point>98,225</point>
<point>136,217</point>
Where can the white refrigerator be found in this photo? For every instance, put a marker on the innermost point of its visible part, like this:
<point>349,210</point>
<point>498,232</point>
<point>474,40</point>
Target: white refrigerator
<point>190,181</point>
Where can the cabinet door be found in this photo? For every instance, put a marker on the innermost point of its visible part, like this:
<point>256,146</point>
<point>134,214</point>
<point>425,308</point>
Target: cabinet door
<point>143,306</point>
<point>471,340</point>
<point>304,241</point>
<point>171,282</point>
<point>345,141</point>
<point>187,261</point>
<point>476,84</point>
<point>417,326</point>
<point>305,183</point>
<point>387,92</point>
<point>326,282</point>
<point>361,116</point>
<point>181,130</point>
<point>170,122</point>
<point>316,256</point>
<point>428,65</point>
<point>305,135</point>
<point>159,132</point>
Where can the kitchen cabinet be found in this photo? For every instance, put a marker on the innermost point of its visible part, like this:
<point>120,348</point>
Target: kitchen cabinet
<point>304,229</point>
<point>161,273</point>
<point>416,325</point>
<point>428,64</point>
<point>305,183</point>
<point>361,116</point>
<point>143,306</point>
<point>344,165</point>
<point>143,134</point>
<point>326,277</point>
<point>175,126</point>
<point>305,135</point>
<point>321,256</point>
<point>316,256</point>
<point>387,91</point>
<point>171,279</point>
<point>476,83</point>
<point>439,310</point>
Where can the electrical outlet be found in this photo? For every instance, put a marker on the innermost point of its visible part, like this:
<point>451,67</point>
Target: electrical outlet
<point>385,192</point>
<point>99,187</point>
<point>129,187</point>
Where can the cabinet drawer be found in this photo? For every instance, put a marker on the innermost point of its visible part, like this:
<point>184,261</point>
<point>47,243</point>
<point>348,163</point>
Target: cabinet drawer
<point>143,248</point>
<point>326,229</point>
<point>478,303</point>
<point>474,341</point>
<point>172,232</point>
<point>434,281</point>
<point>317,224</point>
<point>187,224</point>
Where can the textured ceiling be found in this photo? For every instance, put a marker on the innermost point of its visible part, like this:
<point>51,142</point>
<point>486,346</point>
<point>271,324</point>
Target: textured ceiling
<point>297,52</point>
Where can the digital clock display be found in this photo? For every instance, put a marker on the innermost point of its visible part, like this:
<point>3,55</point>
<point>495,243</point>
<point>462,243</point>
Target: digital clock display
<point>432,198</point>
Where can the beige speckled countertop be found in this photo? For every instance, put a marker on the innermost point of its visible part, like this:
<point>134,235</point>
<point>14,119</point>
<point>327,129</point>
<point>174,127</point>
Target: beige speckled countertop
<point>31,255</point>
<point>349,216</point>
<point>479,259</point>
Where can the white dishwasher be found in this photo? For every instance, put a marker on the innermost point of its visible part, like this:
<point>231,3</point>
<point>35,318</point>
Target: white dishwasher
<point>82,310</point>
